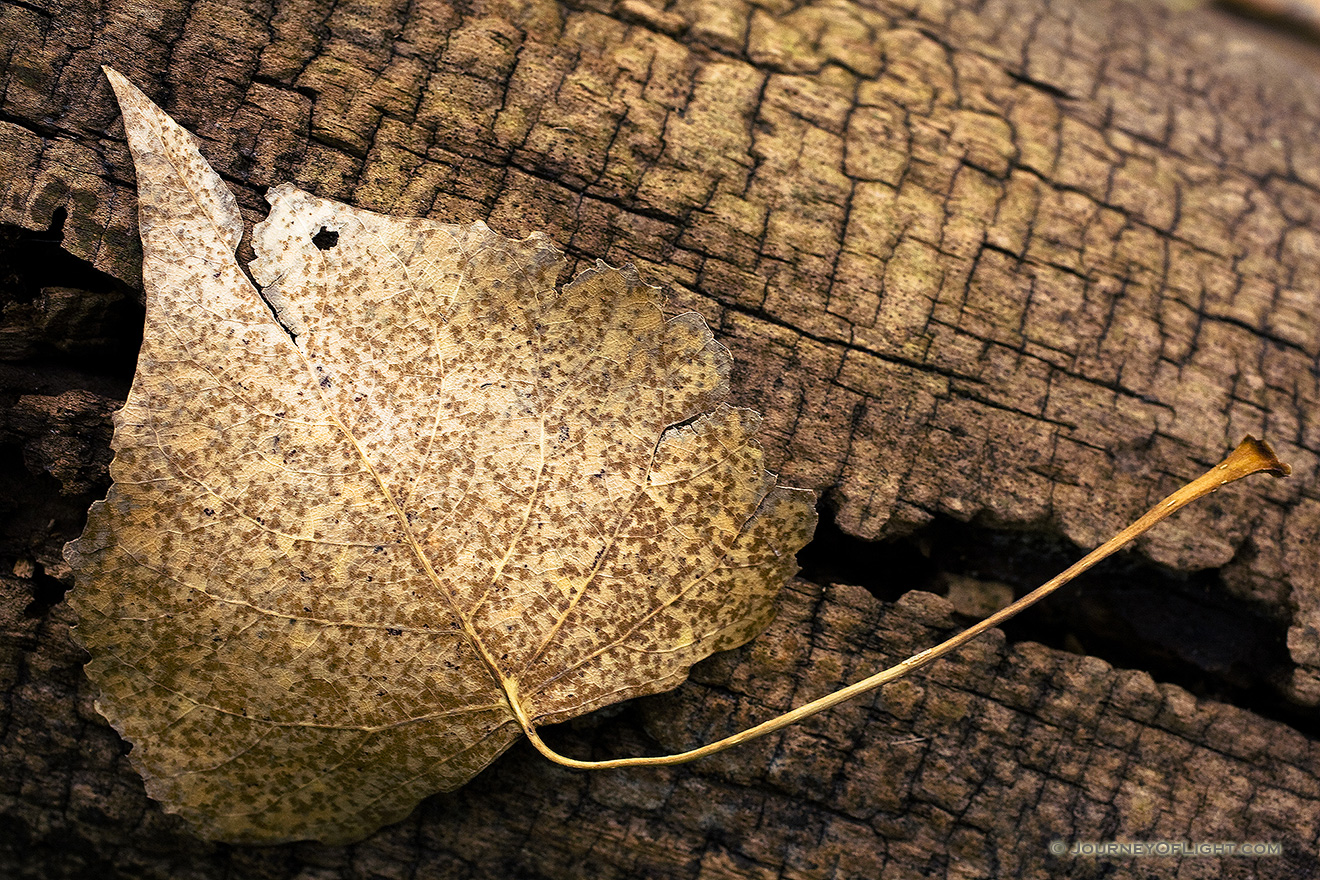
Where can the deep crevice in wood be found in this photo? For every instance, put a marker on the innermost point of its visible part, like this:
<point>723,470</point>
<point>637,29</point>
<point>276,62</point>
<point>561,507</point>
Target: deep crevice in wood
<point>1184,628</point>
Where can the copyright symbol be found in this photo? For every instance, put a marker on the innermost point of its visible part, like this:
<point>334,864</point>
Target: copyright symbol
<point>1058,847</point>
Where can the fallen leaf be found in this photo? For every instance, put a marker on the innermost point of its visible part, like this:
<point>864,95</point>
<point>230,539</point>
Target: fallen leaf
<point>406,501</point>
<point>398,501</point>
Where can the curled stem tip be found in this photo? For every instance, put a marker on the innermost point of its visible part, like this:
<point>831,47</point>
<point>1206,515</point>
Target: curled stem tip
<point>1256,457</point>
<point>1251,456</point>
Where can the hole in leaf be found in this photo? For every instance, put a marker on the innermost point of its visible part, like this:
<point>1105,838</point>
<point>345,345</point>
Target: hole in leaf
<point>325,239</point>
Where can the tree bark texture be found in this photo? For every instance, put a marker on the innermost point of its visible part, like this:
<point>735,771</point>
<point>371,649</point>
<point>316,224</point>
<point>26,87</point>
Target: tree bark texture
<point>1000,273</point>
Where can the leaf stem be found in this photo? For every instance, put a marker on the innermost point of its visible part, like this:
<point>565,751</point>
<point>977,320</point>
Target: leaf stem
<point>1252,456</point>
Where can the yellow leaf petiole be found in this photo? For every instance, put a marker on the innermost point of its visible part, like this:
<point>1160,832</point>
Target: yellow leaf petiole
<point>1252,456</point>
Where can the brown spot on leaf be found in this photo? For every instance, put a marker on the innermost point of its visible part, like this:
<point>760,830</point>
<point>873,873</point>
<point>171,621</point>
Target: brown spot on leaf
<point>488,502</point>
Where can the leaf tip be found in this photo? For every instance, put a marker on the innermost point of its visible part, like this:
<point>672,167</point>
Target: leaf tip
<point>123,87</point>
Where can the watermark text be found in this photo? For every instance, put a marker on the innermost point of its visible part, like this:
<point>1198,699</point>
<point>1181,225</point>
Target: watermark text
<point>1178,849</point>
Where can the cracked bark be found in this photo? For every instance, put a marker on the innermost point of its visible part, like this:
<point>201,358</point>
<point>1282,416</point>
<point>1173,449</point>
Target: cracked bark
<point>1017,265</point>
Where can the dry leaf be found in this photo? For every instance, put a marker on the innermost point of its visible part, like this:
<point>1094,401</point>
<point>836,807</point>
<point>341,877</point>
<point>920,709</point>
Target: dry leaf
<point>408,501</point>
<point>366,518</point>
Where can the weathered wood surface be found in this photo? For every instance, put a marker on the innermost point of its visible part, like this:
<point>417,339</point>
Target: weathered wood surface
<point>1022,263</point>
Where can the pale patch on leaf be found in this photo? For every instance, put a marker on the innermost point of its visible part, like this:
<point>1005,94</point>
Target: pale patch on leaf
<point>368,517</point>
